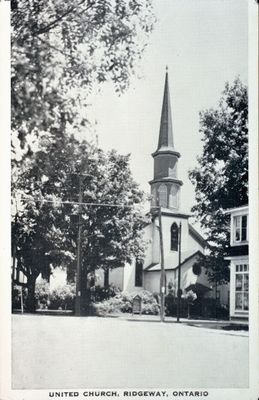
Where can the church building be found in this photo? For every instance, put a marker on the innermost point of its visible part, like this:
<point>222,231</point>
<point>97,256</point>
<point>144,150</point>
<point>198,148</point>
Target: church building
<point>166,188</point>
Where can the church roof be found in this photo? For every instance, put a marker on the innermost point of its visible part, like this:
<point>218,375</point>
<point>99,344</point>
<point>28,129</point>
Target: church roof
<point>186,256</point>
<point>197,236</point>
<point>165,141</point>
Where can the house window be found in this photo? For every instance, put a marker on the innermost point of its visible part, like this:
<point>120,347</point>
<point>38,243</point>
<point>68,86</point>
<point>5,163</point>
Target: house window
<point>240,231</point>
<point>241,287</point>
<point>139,274</point>
<point>174,237</point>
<point>162,195</point>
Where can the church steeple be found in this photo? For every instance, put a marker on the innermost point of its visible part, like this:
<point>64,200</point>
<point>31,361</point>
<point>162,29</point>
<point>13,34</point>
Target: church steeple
<point>166,129</point>
<point>165,187</point>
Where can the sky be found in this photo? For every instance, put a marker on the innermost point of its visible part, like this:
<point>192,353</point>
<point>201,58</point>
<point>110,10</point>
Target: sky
<point>204,44</point>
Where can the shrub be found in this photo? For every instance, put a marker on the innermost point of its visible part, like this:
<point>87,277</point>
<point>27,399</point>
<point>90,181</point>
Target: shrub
<point>122,302</point>
<point>101,293</point>
<point>63,297</point>
<point>171,306</point>
<point>198,307</point>
<point>16,296</point>
<point>190,296</point>
<point>112,305</point>
<point>42,293</point>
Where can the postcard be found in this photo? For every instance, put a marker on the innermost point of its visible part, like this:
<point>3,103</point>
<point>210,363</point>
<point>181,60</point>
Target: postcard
<point>129,209</point>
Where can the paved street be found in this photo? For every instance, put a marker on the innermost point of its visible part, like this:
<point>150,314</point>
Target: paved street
<point>69,352</point>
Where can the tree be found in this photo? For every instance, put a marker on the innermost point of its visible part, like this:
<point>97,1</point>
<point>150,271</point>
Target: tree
<point>60,49</point>
<point>45,228</point>
<point>221,177</point>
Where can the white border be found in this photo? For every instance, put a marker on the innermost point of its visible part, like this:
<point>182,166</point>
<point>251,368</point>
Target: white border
<point>253,197</point>
<point>5,338</point>
<point>5,209</point>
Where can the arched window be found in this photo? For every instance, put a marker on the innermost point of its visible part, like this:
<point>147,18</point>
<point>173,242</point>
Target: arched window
<point>153,197</point>
<point>174,237</point>
<point>173,197</point>
<point>162,190</point>
<point>139,274</point>
<point>173,169</point>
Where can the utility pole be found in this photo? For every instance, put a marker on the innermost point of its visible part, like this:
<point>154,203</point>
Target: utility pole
<point>22,303</point>
<point>179,273</point>
<point>163,277</point>
<point>15,262</point>
<point>216,288</point>
<point>14,248</point>
<point>78,302</point>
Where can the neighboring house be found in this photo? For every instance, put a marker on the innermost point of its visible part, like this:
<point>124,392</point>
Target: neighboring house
<point>18,277</point>
<point>239,264</point>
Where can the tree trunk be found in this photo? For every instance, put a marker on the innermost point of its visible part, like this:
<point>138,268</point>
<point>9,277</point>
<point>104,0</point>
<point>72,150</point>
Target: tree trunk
<point>106,278</point>
<point>31,301</point>
<point>85,293</point>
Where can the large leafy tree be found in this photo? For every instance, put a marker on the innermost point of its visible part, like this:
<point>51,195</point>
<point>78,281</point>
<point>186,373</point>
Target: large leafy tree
<point>45,227</point>
<point>221,177</point>
<point>61,49</point>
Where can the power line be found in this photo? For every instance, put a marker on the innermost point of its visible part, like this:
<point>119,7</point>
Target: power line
<point>57,202</point>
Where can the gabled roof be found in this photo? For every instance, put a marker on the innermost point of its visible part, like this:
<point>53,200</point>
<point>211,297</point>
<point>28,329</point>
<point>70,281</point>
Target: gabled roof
<point>198,288</point>
<point>197,236</point>
<point>236,209</point>
<point>186,256</point>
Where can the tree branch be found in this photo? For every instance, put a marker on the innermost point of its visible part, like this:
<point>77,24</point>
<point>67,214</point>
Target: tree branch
<point>55,48</point>
<point>54,23</point>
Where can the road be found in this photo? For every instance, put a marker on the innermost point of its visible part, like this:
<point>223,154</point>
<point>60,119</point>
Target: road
<point>89,352</point>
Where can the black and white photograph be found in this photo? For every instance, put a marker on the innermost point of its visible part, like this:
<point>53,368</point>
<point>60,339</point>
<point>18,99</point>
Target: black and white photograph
<point>131,258</point>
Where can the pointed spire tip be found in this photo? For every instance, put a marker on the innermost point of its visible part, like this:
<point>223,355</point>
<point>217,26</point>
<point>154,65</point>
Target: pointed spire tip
<point>166,129</point>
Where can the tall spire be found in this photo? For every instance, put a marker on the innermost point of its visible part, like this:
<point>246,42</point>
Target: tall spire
<point>165,186</point>
<point>166,128</point>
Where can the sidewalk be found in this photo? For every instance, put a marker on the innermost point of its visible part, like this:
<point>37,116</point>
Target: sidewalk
<point>222,326</point>
<point>145,317</point>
